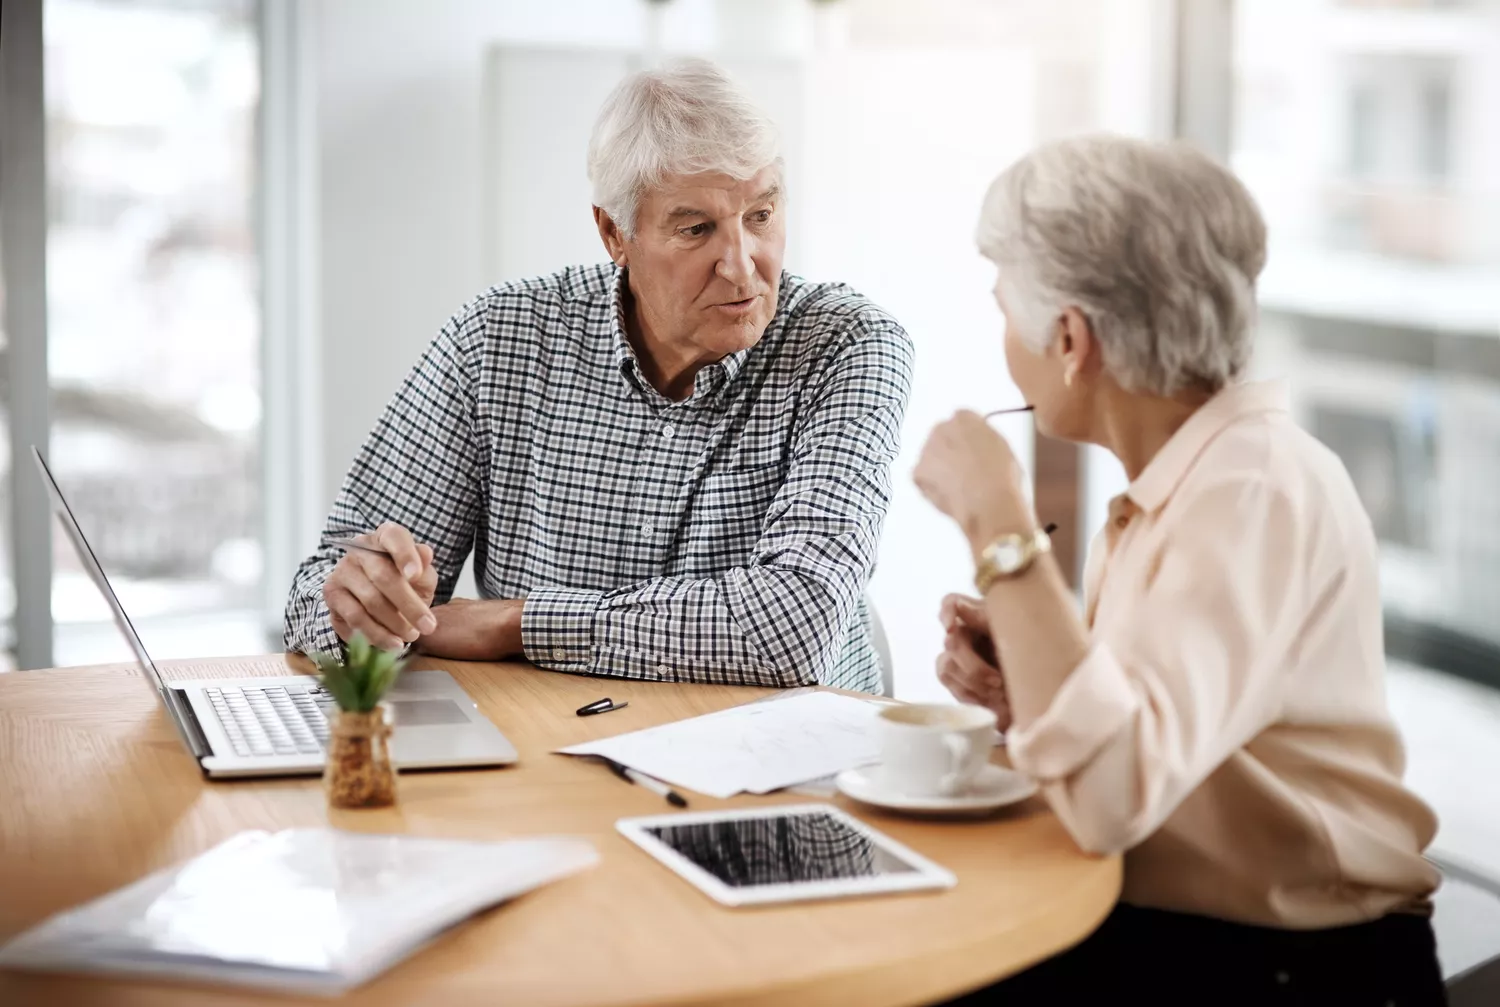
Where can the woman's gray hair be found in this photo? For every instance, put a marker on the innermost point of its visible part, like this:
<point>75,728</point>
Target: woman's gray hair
<point>685,118</point>
<point>1155,243</point>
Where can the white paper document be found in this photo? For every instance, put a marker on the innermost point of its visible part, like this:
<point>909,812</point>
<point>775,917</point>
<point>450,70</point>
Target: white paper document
<point>303,910</point>
<point>756,748</point>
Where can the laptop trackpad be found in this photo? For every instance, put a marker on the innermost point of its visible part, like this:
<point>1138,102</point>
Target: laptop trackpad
<point>427,712</point>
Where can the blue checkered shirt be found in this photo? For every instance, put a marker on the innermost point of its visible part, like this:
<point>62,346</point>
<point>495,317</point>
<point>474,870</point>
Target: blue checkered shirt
<point>727,538</point>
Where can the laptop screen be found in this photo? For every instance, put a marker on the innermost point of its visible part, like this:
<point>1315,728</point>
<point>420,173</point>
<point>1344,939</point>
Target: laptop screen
<point>96,572</point>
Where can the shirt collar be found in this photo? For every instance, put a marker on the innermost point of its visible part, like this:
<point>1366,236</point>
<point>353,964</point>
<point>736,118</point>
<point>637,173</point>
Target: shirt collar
<point>624,352</point>
<point>711,379</point>
<point>1163,473</point>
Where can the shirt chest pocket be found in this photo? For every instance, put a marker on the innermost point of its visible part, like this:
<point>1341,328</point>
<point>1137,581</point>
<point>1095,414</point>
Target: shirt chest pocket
<point>727,515</point>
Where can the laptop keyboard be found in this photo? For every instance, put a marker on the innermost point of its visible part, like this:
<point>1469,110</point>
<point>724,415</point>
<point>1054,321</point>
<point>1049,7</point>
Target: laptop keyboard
<point>270,721</point>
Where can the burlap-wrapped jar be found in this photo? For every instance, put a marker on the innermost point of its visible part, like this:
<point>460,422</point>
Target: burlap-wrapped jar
<point>361,772</point>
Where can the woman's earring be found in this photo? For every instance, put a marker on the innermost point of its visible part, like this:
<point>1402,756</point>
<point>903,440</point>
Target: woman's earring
<point>1068,379</point>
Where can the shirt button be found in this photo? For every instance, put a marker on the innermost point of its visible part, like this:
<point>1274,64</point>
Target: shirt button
<point>647,531</point>
<point>669,431</point>
<point>662,669</point>
<point>559,654</point>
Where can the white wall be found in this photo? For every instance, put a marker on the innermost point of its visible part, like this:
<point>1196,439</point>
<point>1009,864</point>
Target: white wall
<point>398,89</point>
<point>540,103</point>
<point>906,143</point>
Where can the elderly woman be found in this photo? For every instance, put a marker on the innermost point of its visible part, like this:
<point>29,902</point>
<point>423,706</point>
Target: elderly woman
<point>1217,713</point>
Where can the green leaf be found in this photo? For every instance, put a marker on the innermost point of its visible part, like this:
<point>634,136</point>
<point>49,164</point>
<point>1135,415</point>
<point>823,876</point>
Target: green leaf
<point>387,677</point>
<point>359,650</point>
<point>338,683</point>
<point>362,680</point>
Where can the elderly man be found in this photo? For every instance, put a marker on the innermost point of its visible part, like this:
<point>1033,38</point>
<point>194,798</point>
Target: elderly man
<point>673,467</point>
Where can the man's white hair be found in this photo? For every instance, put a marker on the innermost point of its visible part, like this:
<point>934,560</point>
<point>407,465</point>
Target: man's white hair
<point>1155,243</point>
<point>685,118</point>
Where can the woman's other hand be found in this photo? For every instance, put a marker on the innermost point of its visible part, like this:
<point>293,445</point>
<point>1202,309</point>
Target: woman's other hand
<point>967,666</point>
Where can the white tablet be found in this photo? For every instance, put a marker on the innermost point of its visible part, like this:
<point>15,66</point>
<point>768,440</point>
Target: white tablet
<point>755,856</point>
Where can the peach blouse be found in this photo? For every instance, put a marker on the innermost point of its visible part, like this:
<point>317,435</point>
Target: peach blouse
<point>1229,728</point>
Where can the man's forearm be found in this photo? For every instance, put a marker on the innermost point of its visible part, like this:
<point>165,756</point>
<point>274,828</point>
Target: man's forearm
<point>469,630</point>
<point>748,626</point>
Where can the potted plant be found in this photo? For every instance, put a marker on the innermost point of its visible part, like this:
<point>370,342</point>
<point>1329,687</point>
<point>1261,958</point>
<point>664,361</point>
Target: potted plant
<point>360,771</point>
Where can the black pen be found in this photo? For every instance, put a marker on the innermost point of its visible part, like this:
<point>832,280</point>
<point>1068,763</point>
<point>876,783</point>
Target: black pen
<point>598,706</point>
<point>655,786</point>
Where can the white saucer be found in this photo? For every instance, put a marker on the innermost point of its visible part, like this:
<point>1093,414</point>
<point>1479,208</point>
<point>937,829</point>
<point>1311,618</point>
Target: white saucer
<point>994,787</point>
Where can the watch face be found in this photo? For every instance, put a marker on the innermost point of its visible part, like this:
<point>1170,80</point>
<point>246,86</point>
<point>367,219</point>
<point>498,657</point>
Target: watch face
<point>1008,556</point>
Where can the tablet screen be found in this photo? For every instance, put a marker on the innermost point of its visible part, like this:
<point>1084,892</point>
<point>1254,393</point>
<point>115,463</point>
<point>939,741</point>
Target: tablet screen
<point>749,852</point>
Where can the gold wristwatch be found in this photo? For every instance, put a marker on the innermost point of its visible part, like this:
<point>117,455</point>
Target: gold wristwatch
<point>1009,556</point>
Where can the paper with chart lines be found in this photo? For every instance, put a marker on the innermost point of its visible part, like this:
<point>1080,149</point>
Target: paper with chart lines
<point>756,748</point>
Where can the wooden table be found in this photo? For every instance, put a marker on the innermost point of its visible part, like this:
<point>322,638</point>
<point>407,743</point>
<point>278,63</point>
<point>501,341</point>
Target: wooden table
<point>95,790</point>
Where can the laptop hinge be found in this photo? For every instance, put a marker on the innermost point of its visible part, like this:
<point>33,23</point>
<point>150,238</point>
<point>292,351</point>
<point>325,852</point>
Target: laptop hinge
<point>187,723</point>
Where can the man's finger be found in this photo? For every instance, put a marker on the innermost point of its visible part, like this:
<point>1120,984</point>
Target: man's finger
<point>397,541</point>
<point>426,583</point>
<point>396,589</point>
<point>340,627</point>
<point>342,605</point>
<point>379,608</point>
<point>347,608</point>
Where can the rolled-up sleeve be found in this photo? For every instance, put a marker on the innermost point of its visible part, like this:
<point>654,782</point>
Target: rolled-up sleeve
<point>1188,675</point>
<point>557,627</point>
<point>1092,707</point>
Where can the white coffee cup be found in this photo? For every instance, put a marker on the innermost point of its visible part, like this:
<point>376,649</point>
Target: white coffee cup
<point>933,749</point>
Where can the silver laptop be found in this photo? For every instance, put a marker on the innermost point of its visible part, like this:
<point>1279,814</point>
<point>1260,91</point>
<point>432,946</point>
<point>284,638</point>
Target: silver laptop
<point>277,725</point>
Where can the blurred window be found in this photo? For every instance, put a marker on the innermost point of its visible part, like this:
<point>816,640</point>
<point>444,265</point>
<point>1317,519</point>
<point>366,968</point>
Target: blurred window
<point>154,329</point>
<point>1381,186</point>
<point>1363,115</point>
<point>7,582</point>
<point>1436,122</point>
